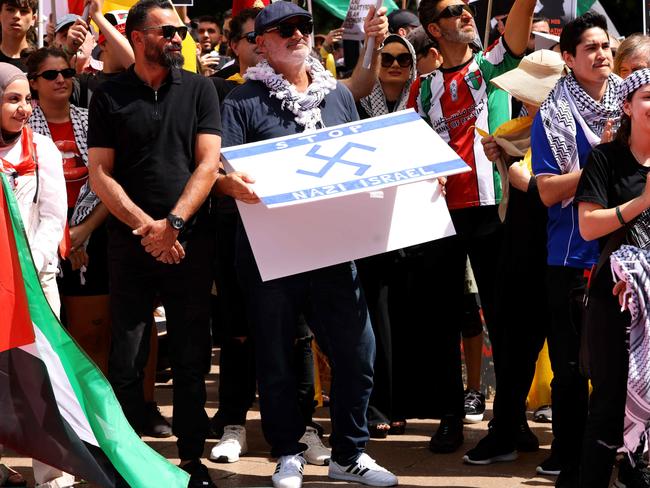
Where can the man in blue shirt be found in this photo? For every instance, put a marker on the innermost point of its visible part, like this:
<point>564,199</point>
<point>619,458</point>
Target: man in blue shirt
<point>577,114</point>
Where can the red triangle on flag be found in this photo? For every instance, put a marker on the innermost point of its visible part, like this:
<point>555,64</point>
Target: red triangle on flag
<point>16,327</point>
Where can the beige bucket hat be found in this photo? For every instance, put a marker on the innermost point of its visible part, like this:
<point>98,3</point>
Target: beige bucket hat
<point>534,78</point>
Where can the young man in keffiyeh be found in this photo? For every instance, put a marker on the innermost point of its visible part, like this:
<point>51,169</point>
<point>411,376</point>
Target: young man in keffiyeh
<point>577,114</point>
<point>287,93</point>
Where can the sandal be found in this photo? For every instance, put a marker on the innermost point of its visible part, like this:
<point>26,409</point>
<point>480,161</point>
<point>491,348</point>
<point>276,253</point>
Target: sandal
<point>378,430</point>
<point>397,427</point>
<point>10,478</point>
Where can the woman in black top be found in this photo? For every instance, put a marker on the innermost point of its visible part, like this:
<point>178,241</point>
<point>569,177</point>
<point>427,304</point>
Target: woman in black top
<point>612,192</point>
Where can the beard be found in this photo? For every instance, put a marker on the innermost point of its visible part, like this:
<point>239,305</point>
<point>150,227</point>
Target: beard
<point>167,57</point>
<point>459,36</point>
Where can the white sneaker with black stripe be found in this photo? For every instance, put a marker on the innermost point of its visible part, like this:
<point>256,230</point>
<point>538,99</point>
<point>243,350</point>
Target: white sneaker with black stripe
<point>288,471</point>
<point>364,470</point>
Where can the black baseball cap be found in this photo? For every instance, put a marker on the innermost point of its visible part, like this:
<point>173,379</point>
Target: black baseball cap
<point>402,18</point>
<point>276,13</point>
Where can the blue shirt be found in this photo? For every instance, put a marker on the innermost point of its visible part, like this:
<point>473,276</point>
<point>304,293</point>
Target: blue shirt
<point>565,246</point>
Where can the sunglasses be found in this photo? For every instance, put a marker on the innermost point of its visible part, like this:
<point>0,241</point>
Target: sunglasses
<point>250,37</point>
<point>287,30</point>
<point>169,31</point>
<point>405,60</point>
<point>52,74</point>
<point>456,11</point>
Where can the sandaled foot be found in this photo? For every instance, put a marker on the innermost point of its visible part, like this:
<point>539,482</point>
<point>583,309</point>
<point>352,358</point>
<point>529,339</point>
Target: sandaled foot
<point>397,427</point>
<point>378,430</point>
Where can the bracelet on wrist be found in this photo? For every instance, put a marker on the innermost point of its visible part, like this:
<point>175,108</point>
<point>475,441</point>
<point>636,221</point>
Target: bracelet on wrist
<point>619,216</point>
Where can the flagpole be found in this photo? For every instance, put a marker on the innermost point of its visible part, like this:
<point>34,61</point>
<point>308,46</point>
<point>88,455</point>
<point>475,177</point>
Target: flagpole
<point>488,17</point>
<point>644,5</point>
<point>41,23</point>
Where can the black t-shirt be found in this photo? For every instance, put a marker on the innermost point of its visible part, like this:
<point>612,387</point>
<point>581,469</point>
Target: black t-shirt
<point>85,85</point>
<point>17,62</point>
<point>153,134</point>
<point>612,176</point>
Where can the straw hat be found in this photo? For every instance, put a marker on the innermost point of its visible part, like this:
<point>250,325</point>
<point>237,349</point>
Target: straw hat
<point>534,78</point>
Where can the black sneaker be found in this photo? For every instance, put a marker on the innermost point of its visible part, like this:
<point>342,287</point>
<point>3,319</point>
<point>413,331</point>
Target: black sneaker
<point>474,406</point>
<point>490,450</point>
<point>199,475</point>
<point>525,440</point>
<point>550,466</point>
<point>449,435</point>
<point>632,477</point>
<point>154,424</point>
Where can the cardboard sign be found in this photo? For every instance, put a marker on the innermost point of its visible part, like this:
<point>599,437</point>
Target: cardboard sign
<point>375,153</point>
<point>353,23</point>
<point>344,192</point>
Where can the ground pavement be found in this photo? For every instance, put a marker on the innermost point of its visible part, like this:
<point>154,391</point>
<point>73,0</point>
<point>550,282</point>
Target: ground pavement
<point>406,455</point>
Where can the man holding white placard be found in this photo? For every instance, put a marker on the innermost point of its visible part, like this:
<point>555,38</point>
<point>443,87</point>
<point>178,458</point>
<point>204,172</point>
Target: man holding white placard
<point>290,93</point>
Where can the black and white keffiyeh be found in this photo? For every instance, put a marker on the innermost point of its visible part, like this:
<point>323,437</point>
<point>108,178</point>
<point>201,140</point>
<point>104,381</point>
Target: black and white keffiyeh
<point>87,200</point>
<point>305,106</point>
<point>568,103</point>
<point>632,83</point>
<point>632,265</point>
<point>375,103</point>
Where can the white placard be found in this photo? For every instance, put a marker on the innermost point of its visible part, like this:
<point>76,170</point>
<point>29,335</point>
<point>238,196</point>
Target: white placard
<point>298,238</point>
<point>375,153</point>
<point>353,23</point>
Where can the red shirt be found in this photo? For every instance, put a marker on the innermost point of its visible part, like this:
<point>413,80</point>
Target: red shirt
<point>74,169</point>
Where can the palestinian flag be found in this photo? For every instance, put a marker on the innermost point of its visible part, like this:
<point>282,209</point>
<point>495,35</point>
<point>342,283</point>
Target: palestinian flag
<point>55,405</point>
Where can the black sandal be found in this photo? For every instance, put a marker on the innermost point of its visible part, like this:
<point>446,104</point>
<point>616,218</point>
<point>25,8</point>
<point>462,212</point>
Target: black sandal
<point>376,432</point>
<point>397,427</point>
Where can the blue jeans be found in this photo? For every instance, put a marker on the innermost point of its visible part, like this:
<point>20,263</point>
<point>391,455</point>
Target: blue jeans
<point>333,304</point>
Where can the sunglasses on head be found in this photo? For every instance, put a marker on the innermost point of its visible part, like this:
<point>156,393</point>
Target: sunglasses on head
<point>169,31</point>
<point>456,11</point>
<point>287,30</point>
<point>250,37</point>
<point>405,60</point>
<point>52,74</point>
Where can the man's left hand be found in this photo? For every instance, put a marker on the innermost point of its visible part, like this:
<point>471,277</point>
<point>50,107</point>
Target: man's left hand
<point>376,25</point>
<point>158,237</point>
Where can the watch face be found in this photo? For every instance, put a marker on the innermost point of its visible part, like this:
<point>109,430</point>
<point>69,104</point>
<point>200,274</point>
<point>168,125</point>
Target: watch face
<point>177,223</point>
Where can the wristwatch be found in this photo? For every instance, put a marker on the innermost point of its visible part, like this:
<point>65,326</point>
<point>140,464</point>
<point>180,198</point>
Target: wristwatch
<point>176,222</point>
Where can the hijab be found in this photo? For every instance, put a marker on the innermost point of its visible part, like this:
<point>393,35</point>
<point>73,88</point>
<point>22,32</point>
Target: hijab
<point>8,74</point>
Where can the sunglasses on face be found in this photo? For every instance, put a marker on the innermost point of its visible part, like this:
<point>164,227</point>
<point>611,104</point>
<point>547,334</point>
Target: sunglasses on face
<point>52,74</point>
<point>287,30</point>
<point>169,31</point>
<point>405,60</point>
<point>250,37</point>
<point>456,11</point>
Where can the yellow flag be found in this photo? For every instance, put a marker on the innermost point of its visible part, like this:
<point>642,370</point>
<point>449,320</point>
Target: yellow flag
<point>189,46</point>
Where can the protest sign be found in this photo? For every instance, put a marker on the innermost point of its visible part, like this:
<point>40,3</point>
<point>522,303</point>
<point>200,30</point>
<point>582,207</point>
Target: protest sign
<point>376,191</point>
<point>353,23</point>
<point>350,158</point>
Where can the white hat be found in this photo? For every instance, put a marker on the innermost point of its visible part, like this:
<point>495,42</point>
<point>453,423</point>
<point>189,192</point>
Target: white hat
<point>534,78</point>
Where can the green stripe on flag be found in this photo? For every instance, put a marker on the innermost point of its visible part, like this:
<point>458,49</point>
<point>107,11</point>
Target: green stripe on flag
<point>138,464</point>
<point>339,8</point>
<point>584,6</point>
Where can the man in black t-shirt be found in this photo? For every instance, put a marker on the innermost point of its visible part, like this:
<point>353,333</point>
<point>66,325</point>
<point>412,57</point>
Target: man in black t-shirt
<point>154,142</point>
<point>17,17</point>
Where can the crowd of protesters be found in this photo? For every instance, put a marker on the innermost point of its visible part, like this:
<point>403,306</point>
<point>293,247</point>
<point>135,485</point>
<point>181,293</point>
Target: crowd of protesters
<point>113,152</point>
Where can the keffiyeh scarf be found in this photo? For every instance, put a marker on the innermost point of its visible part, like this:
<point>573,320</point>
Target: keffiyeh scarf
<point>632,83</point>
<point>305,106</point>
<point>87,200</point>
<point>632,265</point>
<point>567,104</point>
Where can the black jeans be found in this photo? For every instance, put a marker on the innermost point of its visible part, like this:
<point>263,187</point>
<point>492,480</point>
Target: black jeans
<point>136,278</point>
<point>569,389</point>
<point>333,305</point>
<point>607,342</point>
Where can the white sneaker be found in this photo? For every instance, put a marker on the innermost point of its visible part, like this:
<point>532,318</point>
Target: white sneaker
<point>231,445</point>
<point>288,471</point>
<point>364,470</point>
<point>316,452</point>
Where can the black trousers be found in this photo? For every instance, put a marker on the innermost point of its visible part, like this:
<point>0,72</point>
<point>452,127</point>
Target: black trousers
<point>136,278</point>
<point>607,344</point>
<point>569,389</point>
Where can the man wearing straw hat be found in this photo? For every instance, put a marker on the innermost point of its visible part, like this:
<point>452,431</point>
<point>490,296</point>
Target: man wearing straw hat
<point>523,255</point>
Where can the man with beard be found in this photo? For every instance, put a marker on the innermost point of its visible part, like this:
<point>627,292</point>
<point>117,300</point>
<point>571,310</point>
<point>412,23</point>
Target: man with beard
<point>154,141</point>
<point>452,100</point>
<point>290,92</point>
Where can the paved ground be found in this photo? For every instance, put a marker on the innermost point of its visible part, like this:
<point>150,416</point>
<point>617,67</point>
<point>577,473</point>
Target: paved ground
<point>406,455</point>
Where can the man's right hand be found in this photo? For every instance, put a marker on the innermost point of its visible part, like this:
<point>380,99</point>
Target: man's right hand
<point>237,185</point>
<point>76,36</point>
<point>491,148</point>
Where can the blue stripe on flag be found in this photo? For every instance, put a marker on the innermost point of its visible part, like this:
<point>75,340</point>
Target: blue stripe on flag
<point>304,139</point>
